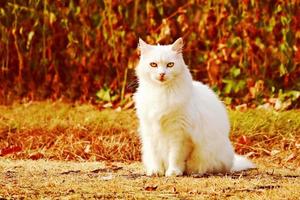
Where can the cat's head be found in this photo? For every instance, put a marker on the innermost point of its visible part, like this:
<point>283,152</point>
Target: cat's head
<point>160,64</point>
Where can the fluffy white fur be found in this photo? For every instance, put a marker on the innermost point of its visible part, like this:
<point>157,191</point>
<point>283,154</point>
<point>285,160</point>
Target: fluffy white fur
<point>184,128</point>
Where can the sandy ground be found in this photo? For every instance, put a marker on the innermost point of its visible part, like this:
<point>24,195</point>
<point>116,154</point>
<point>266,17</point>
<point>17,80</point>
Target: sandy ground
<point>28,179</point>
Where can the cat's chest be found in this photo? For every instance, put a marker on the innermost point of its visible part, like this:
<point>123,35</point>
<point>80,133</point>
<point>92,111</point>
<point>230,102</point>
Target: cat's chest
<point>166,111</point>
<point>167,121</point>
<point>160,104</point>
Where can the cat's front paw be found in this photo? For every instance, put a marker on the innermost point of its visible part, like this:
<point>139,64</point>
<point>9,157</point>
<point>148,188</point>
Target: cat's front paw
<point>174,172</point>
<point>155,172</point>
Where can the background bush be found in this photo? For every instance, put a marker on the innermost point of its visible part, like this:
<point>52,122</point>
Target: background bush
<point>249,50</point>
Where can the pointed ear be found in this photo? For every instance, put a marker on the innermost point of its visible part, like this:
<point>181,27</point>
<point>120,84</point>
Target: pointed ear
<point>142,46</point>
<point>177,45</point>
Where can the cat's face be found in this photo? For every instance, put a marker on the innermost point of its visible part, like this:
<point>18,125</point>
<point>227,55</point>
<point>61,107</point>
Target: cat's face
<point>160,63</point>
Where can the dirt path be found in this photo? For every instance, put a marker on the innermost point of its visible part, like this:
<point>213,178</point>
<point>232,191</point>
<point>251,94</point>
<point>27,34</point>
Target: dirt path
<point>42,179</point>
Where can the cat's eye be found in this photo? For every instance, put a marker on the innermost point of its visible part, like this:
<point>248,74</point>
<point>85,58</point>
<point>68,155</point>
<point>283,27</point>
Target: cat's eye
<point>153,64</point>
<point>170,64</point>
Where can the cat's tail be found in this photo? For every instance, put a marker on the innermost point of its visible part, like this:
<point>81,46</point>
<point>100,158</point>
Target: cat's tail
<point>241,163</point>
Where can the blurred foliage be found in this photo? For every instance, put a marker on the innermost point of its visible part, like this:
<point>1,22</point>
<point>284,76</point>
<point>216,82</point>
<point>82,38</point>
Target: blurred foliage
<point>248,51</point>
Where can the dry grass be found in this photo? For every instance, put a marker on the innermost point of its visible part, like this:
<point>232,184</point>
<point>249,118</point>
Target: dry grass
<point>67,132</point>
<point>45,132</point>
<point>268,134</point>
<point>59,131</point>
<point>101,180</point>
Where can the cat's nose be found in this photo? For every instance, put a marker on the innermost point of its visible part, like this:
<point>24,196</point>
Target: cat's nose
<point>162,74</point>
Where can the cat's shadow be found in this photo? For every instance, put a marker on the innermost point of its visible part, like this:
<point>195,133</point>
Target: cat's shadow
<point>250,173</point>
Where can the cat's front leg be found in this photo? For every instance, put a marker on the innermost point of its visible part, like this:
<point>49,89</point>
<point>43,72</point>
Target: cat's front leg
<point>178,152</point>
<point>151,158</point>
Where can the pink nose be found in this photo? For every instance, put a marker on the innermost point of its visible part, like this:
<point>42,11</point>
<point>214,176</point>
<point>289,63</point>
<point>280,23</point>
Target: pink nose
<point>162,74</point>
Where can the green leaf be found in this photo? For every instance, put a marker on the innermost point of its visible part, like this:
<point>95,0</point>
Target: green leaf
<point>52,17</point>
<point>259,43</point>
<point>228,86</point>
<point>278,9</point>
<point>272,23</point>
<point>227,100</point>
<point>161,10</point>
<point>289,37</point>
<point>283,47</point>
<point>236,41</point>
<point>235,72</point>
<point>282,70</point>
<point>29,39</point>
<point>285,20</point>
<point>240,86</point>
<point>104,94</point>
<point>273,89</point>
<point>2,12</point>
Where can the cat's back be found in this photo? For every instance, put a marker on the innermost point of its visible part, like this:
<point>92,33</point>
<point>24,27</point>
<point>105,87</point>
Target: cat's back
<point>209,106</point>
<point>203,91</point>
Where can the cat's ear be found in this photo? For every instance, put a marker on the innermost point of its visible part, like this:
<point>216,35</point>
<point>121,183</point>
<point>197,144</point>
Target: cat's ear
<point>142,46</point>
<point>177,45</point>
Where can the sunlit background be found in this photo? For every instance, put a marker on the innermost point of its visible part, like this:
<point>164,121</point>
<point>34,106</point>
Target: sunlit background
<point>74,50</point>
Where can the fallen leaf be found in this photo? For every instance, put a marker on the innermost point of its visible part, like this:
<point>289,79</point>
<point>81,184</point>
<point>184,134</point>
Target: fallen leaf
<point>109,168</point>
<point>242,144</point>
<point>36,156</point>
<point>266,187</point>
<point>174,190</point>
<point>132,176</point>
<point>71,191</point>
<point>151,187</point>
<point>194,191</point>
<point>115,168</point>
<point>71,171</point>
<point>100,170</point>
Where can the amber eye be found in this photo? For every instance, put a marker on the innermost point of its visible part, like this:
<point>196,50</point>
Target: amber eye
<point>153,64</point>
<point>170,64</point>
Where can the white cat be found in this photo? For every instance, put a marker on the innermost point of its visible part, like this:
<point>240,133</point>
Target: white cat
<point>184,128</point>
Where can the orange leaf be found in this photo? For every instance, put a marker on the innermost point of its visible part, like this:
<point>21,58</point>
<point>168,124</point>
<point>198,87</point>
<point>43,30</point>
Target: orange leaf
<point>243,140</point>
<point>151,188</point>
<point>242,143</point>
<point>36,156</point>
<point>10,150</point>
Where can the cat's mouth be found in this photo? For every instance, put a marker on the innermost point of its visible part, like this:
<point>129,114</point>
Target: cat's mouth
<point>161,79</point>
